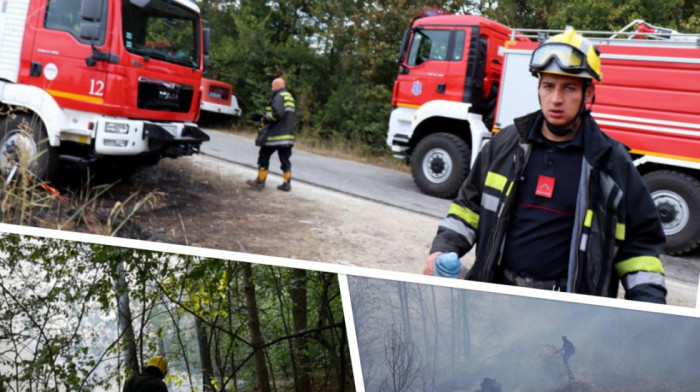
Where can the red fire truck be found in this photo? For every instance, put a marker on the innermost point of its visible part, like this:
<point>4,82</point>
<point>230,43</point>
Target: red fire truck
<point>444,96</point>
<point>217,95</point>
<point>218,98</point>
<point>89,80</point>
<point>446,102</point>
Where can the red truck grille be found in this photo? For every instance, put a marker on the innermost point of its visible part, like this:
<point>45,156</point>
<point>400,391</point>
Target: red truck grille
<point>164,96</point>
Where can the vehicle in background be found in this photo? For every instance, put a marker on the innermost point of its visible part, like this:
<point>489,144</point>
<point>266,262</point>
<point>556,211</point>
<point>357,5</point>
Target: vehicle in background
<point>96,80</point>
<point>445,105</point>
<point>445,96</point>
<point>217,96</point>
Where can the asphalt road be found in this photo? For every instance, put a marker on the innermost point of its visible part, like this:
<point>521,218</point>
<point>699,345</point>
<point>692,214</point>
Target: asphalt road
<point>380,185</point>
<point>357,179</point>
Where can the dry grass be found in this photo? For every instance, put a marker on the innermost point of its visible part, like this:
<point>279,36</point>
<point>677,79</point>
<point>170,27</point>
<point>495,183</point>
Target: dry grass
<point>25,199</point>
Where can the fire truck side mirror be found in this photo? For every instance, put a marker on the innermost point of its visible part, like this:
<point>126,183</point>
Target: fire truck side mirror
<point>206,36</point>
<point>140,3</point>
<point>91,10</point>
<point>90,31</point>
<point>404,44</point>
<point>207,65</point>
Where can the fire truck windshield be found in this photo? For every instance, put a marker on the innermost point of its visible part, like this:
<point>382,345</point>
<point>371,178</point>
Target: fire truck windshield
<point>429,45</point>
<point>162,30</point>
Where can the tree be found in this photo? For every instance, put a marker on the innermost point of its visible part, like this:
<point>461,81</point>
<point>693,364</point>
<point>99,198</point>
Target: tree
<point>302,381</point>
<point>65,318</point>
<point>256,338</point>
<point>403,362</point>
<point>51,325</point>
<point>339,57</point>
<point>610,15</point>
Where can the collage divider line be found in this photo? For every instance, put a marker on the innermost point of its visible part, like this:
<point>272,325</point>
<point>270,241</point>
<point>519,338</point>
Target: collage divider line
<point>350,270</point>
<point>351,333</point>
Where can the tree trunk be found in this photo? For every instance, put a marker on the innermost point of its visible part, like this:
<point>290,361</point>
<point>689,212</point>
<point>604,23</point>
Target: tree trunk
<point>405,311</point>
<point>277,278</point>
<point>454,312</point>
<point>436,330</point>
<point>256,338</point>
<point>343,360</point>
<point>126,329</point>
<point>204,356</point>
<point>466,334</point>
<point>427,332</point>
<point>302,379</point>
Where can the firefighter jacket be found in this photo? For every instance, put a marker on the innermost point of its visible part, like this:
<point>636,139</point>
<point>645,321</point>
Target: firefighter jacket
<point>151,380</point>
<point>280,114</point>
<point>617,231</point>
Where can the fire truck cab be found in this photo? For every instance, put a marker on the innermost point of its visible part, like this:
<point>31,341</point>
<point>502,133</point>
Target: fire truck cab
<point>444,97</point>
<point>84,80</point>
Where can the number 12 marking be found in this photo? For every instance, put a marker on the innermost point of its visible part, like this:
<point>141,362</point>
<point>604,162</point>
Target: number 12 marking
<point>97,87</point>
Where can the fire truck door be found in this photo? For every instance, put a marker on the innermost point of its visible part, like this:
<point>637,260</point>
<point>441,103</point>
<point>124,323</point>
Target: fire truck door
<point>425,73</point>
<point>59,57</point>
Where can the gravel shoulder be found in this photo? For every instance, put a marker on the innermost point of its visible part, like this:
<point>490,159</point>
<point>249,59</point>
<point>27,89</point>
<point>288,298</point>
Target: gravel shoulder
<point>204,201</point>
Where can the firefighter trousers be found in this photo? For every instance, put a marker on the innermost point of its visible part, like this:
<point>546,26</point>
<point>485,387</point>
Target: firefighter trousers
<point>284,153</point>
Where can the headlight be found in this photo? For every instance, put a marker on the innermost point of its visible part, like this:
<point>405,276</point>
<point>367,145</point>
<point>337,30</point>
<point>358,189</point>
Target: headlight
<point>115,143</point>
<point>121,128</point>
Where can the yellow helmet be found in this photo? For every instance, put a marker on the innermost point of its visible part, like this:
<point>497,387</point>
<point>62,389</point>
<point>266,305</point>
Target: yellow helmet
<point>568,53</point>
<point>160,363</point>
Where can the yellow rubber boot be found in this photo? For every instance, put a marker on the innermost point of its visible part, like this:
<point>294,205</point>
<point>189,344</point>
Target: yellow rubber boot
<point>286,185</point>
<point>259,181</point>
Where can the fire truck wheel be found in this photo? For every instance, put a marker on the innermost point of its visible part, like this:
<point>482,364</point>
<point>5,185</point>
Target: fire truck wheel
<point>677,197</point>
<point>23,138</point>
<point>440,163</point>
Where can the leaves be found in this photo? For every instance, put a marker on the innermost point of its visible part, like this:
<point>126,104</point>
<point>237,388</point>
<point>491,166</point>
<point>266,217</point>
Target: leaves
<point>339,57</point>
<point>60,332</point>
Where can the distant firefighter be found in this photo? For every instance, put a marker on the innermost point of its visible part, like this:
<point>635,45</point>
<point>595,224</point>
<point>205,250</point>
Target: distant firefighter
<point>489,385</point>
<point>567,350</point>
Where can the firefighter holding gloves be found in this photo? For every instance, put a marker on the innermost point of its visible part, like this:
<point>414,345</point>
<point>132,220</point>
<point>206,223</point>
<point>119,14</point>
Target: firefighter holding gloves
<point>277,134</point>
<point>554,203</point>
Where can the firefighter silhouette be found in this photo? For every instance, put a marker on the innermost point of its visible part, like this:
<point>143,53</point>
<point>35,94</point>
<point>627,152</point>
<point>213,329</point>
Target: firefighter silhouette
<point>567,350</point>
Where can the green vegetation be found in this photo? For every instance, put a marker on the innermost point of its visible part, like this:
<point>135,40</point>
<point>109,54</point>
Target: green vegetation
<point>339,57</point>
<point>83,317</point>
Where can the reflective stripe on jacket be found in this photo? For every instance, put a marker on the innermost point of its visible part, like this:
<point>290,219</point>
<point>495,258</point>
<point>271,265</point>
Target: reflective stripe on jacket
<point>280,114</point>
<point>617,231</point>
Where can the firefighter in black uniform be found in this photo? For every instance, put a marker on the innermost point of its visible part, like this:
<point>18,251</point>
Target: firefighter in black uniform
<point>554,203</point>
<point>279,120</point>
<point>151,379</point>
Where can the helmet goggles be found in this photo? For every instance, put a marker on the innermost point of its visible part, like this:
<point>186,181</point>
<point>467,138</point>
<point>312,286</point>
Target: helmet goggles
<point>568,58</point>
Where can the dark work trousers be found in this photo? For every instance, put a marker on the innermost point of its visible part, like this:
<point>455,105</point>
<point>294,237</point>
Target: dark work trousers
<point>283,152</point>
